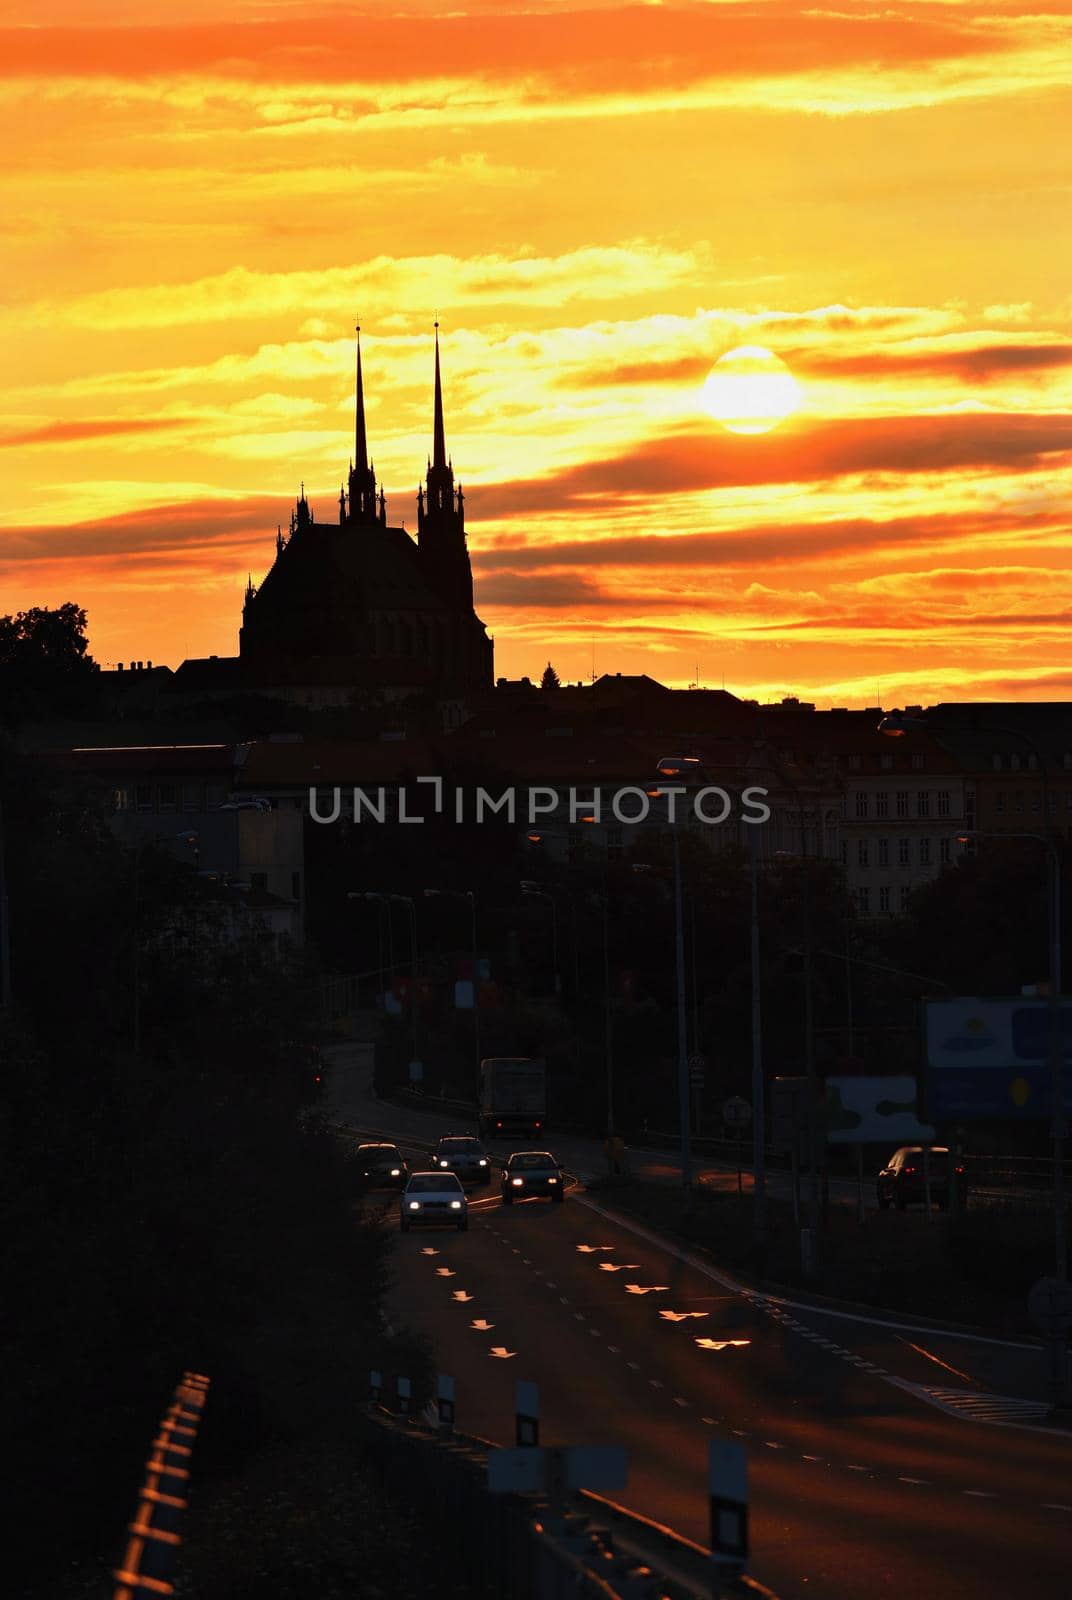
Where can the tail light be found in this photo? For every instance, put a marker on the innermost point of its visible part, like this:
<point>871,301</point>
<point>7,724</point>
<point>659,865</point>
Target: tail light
<point>906,1171</point>
<point>498,1124</point>
<point>960,1171</point>
<point>539,1125</point>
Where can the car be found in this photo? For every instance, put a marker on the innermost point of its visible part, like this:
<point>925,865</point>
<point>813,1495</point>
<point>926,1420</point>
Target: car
<point>901,1181</point>
<point>532,1172</point>
<point>381,1166</point>
<point>431,1197</point>
<point>465,1156</point>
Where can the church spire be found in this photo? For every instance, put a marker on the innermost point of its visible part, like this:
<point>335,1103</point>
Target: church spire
<point>360,445</point>
<point>439,447</point>
<point>362,479</point>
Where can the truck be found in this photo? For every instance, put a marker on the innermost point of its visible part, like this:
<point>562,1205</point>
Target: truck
<point>513,1097</point>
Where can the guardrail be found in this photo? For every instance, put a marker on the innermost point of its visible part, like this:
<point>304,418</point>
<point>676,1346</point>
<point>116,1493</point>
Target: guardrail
<point>528,1547</point>
<point>148,1562</point>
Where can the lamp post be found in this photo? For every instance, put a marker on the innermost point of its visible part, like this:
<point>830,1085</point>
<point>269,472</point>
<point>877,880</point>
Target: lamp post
<point>535,892</point>
<point>809,1259</point>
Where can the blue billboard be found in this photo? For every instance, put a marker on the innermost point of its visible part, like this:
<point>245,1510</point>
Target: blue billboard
<point>992,1058</point>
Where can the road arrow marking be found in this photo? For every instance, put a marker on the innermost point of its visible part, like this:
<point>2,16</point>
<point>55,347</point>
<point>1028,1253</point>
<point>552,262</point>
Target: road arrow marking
<point>461,1295</point>
<point>482,1325</point>
<point>630,1266</point>
<point>445,1272</point>
<point>590,1249</point>
<point>721,1344</point>
<point>502,1352</point>
<point>650,1288</point>
<point>681,1316</point>
<point>428,1251</point>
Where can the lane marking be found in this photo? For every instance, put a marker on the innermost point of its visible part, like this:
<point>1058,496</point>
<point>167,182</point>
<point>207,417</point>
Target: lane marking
<point>563,1299</point>
<point>1054,1505</point>
<point>579,1316</point>
<point>635,1365</point>
<point>852,1468</point>
<point>922,1481</point>
<point>811,1458</point>
<point>679,1402</point>
<point>657,1383</point>
<point>979,1494</point>
<point>595,1333</point>
<point>918,1348</point>
<point>613,1348</point>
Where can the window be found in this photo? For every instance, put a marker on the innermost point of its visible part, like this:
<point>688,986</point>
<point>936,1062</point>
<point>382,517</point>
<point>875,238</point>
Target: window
<point>905,892</point>
<point>845,850</point>
<point>143,796</point>
<point>1052,806</point>
<point>882,803</point>
<point>863,853</point>
<point>883,852</point>
<point>1036,800</point>
<point>923,803</point>
<point>121,799</point>
<point>902,802</point>
<point>258,880</point>
<point>1014,763</point>
<point>969,807</point>
<point>884,897</point>
<point>854,763</point>
<point>902,852</point>
<point>997,763</point>
<point>917,761</point>
<point>214,796</point>
<point>885,761</point>
<point>999,802</point>
<point>945,854</point>
<point>924,852</point>
<point>944,798</point>
<point>1018,800</point>
<point>191,797</point>
<point>167,796</point>
<point>861,804</point>
<point>863,901</point>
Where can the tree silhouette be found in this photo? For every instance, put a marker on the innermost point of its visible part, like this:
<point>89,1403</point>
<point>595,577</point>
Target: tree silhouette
<point>550,679</point>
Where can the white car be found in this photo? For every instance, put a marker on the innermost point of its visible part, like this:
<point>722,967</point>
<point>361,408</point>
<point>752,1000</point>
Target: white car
<point>433,1197</point>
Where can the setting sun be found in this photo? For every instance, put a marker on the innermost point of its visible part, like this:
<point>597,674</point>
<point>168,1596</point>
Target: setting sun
<point>749,390</point>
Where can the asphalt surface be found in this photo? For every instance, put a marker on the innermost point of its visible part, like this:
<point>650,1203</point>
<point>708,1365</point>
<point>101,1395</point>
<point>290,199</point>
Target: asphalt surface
<point>860,1485</point>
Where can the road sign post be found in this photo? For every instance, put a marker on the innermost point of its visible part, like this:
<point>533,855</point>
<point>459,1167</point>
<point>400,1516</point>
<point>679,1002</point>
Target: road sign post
<point>445,1403</point>
<point>1049,1306</point>
<point>527,1413</point>
<point>727,1479</point>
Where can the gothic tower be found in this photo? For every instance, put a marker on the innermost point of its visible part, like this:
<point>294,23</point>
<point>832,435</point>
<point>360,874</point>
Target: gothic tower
<point>441,517</point>
<point>364,508</point>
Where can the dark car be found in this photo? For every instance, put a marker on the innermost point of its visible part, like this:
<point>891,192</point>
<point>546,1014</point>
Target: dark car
<point>464,1156</point>
<point>532,1172</point>
<point>902,1181</point>
<point>380,1166</point>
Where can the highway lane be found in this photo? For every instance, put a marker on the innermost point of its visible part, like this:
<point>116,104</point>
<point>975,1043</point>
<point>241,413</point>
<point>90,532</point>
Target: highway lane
<point>856,1486</point>
<point>956,1363</point>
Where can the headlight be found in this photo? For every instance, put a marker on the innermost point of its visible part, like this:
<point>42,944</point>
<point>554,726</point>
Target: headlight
<point>483,1163</point>
<point>415,1205</point>
<point>455,1205</point>
<point>517,1181</point>
<point>443,1163</point>
<point>396,1172</point>
<point>552,1180</point>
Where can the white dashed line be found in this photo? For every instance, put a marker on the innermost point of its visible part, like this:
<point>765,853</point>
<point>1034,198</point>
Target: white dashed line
<point>579,1316</point>
<point>1054,1505</point>
<point>613,1348</point>
<point>679,1402</point>
<point>595,1333</point>
<point>551,1285</point>
<point>914,1480</point>
<point>710,1422</point>
<point>851,1468</point>
<point>635,1365</point>
<point>979,1494</point>
<point>656,1383</point>
<point>563,1299</point>
<point>811,1458</point>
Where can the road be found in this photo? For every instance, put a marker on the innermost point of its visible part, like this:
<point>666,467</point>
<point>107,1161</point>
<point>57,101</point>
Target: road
<point>859,1487</point>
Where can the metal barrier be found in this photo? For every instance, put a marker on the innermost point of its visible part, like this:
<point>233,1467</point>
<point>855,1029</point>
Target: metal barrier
<point>149,1559</point>
<point>524,1547</point>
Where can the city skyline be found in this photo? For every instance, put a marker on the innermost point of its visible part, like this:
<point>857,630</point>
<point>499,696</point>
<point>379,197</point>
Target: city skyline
<point>598,209</point>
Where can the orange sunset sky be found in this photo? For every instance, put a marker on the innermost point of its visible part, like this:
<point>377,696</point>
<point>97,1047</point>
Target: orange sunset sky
<point>201,197</point>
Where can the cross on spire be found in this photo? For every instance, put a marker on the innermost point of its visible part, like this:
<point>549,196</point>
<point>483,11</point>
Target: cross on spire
<point>439,446</point>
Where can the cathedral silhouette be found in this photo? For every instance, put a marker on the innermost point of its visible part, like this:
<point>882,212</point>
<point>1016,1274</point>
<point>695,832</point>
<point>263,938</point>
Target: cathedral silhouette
<point>360,605</point>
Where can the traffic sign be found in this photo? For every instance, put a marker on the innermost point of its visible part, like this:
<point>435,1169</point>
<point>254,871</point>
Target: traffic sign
<point>736,1112</point>
<point>697,1070</point>
<point>727,1480</point>
<point>1049,1305</point>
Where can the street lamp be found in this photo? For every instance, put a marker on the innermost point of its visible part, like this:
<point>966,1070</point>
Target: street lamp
<point>536,892</point>
<point>684,767</point>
